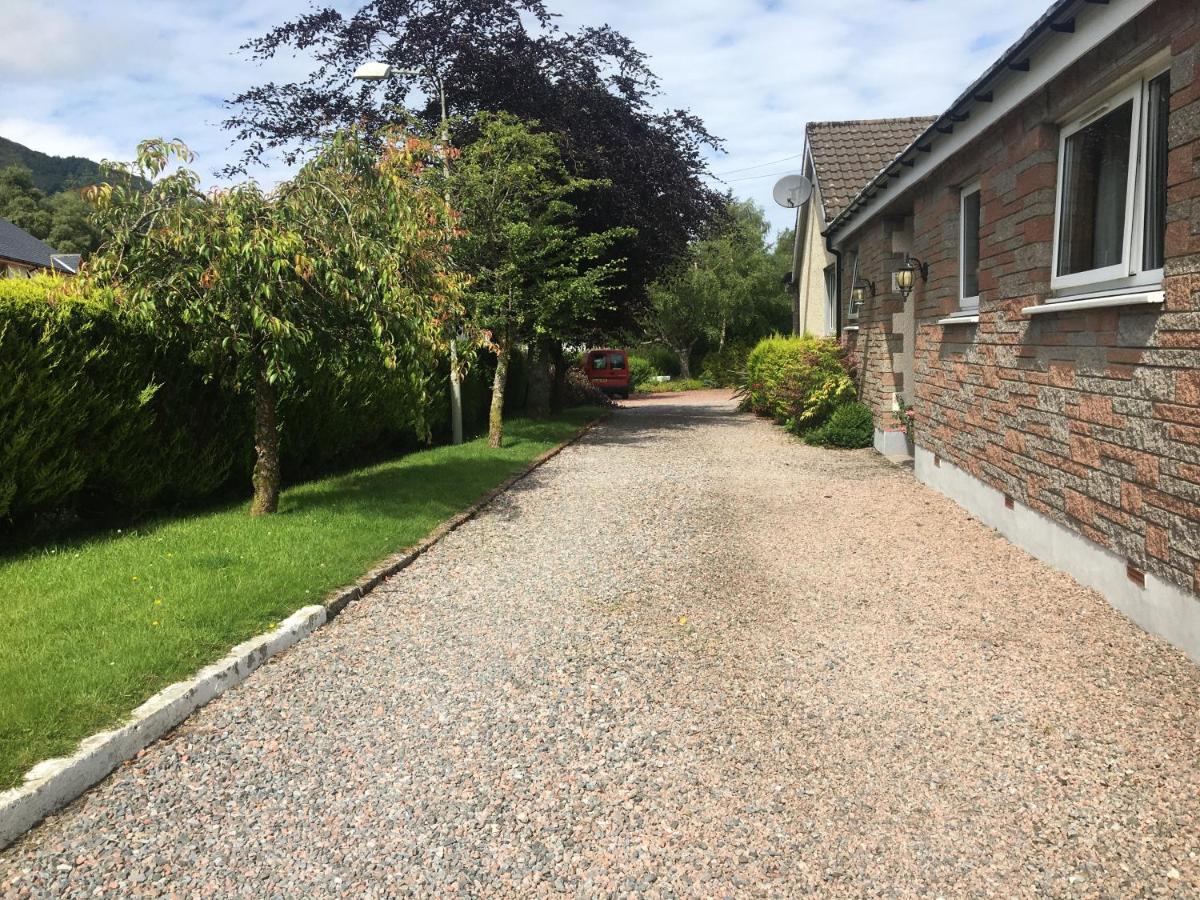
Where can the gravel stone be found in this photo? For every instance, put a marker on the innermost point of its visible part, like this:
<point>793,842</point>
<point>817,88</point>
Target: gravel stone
<point>689,656</point>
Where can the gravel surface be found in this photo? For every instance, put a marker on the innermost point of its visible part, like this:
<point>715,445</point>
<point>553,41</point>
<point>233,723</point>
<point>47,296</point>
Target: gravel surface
<point>689,656</point>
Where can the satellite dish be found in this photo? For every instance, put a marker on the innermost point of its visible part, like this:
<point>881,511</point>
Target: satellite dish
<point>792,191</point>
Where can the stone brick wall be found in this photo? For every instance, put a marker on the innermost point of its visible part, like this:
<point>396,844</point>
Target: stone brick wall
<point>1090,418</point>
<point>877,344</point>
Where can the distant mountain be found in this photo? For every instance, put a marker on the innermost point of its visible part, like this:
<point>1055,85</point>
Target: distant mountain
<point>50,173</point>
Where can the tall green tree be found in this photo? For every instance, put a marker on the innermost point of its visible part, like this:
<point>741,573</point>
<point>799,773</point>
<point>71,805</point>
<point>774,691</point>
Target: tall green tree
<point>22,203</point>
<point>62,220</point>
<point>533,273</point>
<point>347,259</point>
<point>728,286</point>
<point>591,86</point>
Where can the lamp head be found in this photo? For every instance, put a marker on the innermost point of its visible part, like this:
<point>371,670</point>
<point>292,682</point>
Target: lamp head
<point>906,275</point>
<point>372,71</point>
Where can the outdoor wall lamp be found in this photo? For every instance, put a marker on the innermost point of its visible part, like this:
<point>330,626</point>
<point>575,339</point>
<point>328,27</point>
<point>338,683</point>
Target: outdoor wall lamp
<point>906,275</point>
<point>863,288</point>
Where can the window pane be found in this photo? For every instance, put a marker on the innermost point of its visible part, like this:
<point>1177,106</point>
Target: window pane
<point>1158,105</point>
<point>617,360</point>
<point>1095,179</point>
<point>599,361</point>
<point>970,245</point>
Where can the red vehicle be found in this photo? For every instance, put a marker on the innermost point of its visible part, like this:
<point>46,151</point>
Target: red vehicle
<point>608,370</point>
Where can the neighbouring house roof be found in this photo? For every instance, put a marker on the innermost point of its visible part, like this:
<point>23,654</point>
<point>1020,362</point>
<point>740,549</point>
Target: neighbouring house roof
<point>847,155</point>
<point>19,245</point>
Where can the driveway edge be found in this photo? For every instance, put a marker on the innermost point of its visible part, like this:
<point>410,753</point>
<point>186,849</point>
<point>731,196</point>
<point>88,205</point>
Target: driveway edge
<point>52,784</point>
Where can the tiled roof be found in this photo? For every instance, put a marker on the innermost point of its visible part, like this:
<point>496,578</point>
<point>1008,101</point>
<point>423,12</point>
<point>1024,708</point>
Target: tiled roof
<point>21,246</point>
<point>846,155</point>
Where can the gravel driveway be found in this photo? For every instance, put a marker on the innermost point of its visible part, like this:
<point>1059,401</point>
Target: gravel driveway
<point>689,656</point>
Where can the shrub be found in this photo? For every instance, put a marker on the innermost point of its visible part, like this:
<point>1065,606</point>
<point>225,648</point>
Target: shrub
<point>851,426</point>
<point>641,370</point>
<point>580,391</point>
<point>798,381</point>
<point>725,368</point>
<point>663,360</point>
<point>674,386</point>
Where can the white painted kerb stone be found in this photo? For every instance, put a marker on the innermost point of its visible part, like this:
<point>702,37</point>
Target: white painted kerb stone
<point>53,784</point>
<point>1160,607</point>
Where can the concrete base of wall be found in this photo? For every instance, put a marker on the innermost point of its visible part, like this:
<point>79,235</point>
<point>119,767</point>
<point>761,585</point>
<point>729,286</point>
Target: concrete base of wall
<point>1159,606</point>
<point>892,443</point>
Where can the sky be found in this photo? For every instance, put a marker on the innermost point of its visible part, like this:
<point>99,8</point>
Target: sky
<point>93,77</point>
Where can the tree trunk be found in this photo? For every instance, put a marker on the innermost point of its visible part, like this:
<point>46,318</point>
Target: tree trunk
<point>685,357</point>
<point>496,417</point>
<point>558,390</point>
<point>266,447</point>
<point>721,343</point>
<point>537,403</point>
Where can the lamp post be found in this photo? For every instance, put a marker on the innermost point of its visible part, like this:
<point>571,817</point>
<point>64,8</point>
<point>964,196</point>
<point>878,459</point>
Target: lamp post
<point>376,71</point>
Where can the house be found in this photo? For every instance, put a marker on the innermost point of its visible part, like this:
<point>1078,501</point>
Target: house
<point>22,255</point>
<point>1029,270</point>
<point>839,159</point>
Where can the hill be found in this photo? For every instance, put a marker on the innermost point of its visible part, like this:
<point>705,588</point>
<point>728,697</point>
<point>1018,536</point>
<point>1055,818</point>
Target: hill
<point>50,173</point>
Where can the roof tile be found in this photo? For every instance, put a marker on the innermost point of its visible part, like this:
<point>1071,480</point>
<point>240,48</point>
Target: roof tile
<point>847,155</point>
<point>21,246</point>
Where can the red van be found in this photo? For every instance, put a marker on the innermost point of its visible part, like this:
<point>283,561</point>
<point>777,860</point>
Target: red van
<point>608,370</point>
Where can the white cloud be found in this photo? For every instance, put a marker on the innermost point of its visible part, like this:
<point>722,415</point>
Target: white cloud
<point>757,72</point>
<point>102,76</point>
<point>58,140</point>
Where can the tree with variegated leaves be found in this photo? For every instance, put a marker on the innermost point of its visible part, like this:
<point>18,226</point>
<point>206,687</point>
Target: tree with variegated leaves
<point>347,260</point>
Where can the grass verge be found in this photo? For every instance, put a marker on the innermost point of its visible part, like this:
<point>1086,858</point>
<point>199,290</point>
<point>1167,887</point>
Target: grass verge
<point>671,387</point>
<point>92,629</point>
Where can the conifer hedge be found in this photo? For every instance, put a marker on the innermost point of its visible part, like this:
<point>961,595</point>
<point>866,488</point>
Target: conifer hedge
<point>100,418</point>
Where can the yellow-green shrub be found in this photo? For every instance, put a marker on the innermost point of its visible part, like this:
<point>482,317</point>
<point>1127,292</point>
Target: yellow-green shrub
<point>798,381</point>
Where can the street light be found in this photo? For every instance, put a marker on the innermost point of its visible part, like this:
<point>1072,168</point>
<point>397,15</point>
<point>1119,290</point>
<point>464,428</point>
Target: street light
<point>377,71</point>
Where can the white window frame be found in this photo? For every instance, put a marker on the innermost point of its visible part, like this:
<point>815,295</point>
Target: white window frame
<point>853,309</point>
<point>1128,273</point>
<point>829,281</point>
<point>965,302</point>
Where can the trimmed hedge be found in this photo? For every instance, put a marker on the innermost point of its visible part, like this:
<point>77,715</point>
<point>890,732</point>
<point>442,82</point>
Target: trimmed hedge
<point>91,406</point>
<point>798,381</point>
<point>100,419</point>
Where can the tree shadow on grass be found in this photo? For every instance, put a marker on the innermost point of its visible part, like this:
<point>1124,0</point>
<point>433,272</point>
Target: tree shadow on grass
<point>398,492</point>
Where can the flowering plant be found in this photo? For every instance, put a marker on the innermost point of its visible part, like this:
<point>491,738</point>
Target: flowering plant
<point>907,417</point>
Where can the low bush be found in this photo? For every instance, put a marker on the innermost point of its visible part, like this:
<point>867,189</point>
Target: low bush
<point>579,390</point>
<point>674,386</point>
<point>663,360</point>
<point>851,426</point>
<point>725,368</point>
<point>798,381</point>
<point>641,370</point>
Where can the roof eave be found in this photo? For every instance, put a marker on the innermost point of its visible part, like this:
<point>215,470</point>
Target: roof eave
<point>1017,58</point>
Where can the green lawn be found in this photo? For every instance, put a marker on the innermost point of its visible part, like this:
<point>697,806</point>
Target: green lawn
<point>674,386</point>
<point>90,630</point>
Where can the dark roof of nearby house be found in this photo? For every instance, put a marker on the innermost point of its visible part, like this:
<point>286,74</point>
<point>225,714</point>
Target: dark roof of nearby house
<point>21,246</point>
<point>847,155</point>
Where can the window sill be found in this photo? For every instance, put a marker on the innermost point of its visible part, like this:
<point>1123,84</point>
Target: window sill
<point>971,318</point>
<point>850,328</point>
<point>1132,298</point>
